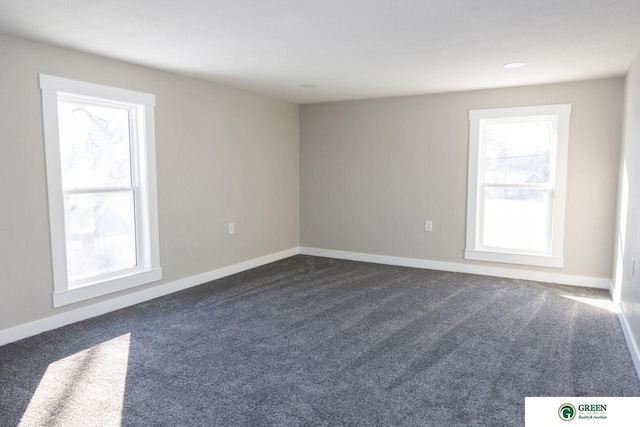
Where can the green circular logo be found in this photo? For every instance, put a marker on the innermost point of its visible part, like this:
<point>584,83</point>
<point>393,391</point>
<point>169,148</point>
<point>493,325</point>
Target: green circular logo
<point>567,412</point>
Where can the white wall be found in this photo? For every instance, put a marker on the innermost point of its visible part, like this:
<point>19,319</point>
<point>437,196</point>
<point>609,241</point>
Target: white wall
<point>627,284</point>
<point>372,171</point>
<point>223,155</point>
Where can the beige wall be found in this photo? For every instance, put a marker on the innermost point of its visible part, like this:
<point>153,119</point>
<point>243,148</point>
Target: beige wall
<point>372,171</point>
<point>627,290</point>
<point>223,155</point>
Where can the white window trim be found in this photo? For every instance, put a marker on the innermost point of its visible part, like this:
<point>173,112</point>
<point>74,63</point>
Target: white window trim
<point>473,250</point>
<point>148,269</point>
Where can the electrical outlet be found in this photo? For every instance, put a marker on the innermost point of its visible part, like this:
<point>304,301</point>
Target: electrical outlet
<point>428,225</point>
<point>232,228</point>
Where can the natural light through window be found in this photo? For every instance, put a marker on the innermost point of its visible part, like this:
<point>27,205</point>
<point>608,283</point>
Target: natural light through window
<point>95,154</point>
<point>87,387</point>
<point>517,172</point>
<point>516,184</point>
<point>100,152</point>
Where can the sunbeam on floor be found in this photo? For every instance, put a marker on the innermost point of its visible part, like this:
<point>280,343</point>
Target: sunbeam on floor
<point>604,304</point>
<point>323,342</point>
<point>86,388</point>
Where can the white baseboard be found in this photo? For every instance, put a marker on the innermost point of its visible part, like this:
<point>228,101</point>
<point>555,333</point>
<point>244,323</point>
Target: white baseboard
<point>219,273</point>
<point>612,291</point>
<point>634,349</point>
<point>511,273</point>
<point>42,325</point>
<point>38,326</point>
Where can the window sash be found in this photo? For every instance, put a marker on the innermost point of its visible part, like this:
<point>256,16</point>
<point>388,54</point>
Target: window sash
<point>137,229</point>
<point>135,133</point>
<point>98,190</point>
<point>133,188</point>
<point>547,188</point>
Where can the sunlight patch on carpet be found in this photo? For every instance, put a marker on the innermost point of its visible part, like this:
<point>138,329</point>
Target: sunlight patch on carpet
<point>604,304</point>
<point>86,388</point>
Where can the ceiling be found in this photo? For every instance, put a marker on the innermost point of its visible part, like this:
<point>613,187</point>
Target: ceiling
<point>350,49</point>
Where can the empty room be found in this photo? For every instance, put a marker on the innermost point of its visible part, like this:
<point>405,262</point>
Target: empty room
<point>319,213</point>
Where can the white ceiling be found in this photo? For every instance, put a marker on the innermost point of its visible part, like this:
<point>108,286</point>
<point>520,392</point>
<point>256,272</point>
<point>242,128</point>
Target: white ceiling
<point>351,49</point>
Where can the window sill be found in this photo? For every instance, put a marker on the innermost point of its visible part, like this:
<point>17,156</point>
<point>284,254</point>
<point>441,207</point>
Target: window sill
<point>74,295</point>
<point>512,258</point>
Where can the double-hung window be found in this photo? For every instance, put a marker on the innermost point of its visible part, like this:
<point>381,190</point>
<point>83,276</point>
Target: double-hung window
<point>100,155</point>
<point>517,183</point>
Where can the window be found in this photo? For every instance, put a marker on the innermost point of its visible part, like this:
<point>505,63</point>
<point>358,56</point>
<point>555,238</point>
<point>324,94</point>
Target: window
<point>100,154</point>
<point>517,181</point>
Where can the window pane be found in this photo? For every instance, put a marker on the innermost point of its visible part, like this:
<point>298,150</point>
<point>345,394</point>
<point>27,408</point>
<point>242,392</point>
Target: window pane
<point>519,152</point>
<point>100,233</point>
<point>515,219</point>
<point>94,145</point>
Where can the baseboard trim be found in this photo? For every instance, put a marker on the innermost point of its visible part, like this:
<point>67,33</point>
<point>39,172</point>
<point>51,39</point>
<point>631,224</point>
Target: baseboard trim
<point>511,273</point>
<point>52,322</point>
<point>634,349</point>
<point>612,291</point>
<point>219,273</point>
<point>58,320</point>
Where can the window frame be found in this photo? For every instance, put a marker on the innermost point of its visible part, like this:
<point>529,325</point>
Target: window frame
<point>142,139</point>
<point>556,189</point>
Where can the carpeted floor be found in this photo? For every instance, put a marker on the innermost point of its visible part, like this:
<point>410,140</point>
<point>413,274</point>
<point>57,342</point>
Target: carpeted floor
<point>316,341</point>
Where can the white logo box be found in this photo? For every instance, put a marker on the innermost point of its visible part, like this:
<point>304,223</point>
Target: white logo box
<point>582,411</point>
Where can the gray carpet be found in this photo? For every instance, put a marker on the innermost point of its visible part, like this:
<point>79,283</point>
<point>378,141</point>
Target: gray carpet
<point>316,341</point>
